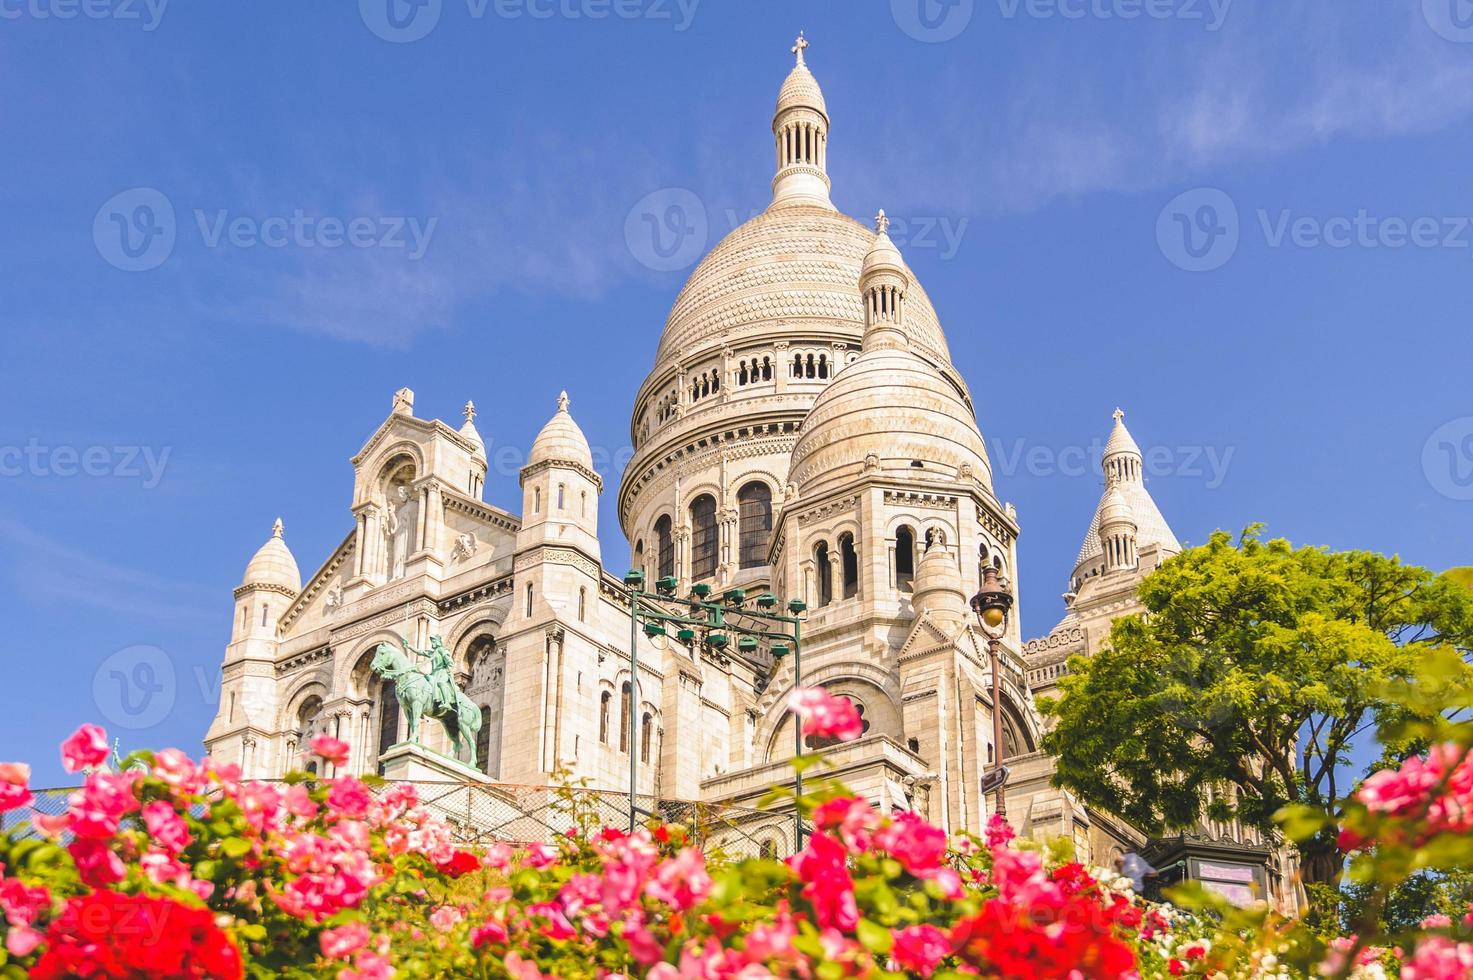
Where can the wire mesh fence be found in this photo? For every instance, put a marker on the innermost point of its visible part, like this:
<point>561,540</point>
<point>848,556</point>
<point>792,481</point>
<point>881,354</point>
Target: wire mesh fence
<point>484,813</point>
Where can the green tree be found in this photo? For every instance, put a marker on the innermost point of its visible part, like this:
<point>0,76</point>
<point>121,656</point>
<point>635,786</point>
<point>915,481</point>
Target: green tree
<point>1256,667</point>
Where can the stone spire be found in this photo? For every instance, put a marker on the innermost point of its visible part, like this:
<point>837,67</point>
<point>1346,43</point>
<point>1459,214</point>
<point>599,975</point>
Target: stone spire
<point>883,284</point>
<point>470,431</point>
<point>800,130</point>
<point>1126,504</point>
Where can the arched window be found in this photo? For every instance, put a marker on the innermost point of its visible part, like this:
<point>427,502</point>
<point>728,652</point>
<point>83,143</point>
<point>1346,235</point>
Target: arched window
<point>797,365</point>
<point>264,610</point>
<point>536,500</point>
<point>849,560</point>
<point>639,556</point>
<point>664,547</point>
<point>583,504</point>
<point>821,569</point>
<point>703,537</point>
<point>603,716</point>
<point>562,492</point>
<point>982,561</point>
<point>624,718</point>
<point>529,599</point>
<point>582,605</point>
<point>767,369</point>
<point>823,741</point>
<point>754,505</point>
<point>483,741</point>
<point>646,725</point>
<point>905,557</point>
<point>823,365</point>
<point>388,717</point>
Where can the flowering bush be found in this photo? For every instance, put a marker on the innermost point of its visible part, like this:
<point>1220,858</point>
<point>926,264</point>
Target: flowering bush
<point>173,868</point>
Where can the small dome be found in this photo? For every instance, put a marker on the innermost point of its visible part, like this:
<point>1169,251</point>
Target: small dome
<point>469,430</point>
<point>800,89</point>
<point>938,585</point>
<point>882,256</point>
<point>561,440</point>
<point>273,564</point>
<point>1114,509</point>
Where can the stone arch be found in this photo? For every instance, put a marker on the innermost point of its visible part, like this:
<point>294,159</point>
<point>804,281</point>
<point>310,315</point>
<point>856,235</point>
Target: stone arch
<point>352,675</point>
<point>773,711</point>
<point>314,686</point>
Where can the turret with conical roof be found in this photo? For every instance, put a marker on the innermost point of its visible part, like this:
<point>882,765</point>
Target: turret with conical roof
<point>560,487</point>
<point>800,128</point>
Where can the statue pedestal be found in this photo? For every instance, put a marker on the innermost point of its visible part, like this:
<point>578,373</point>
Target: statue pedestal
<point>410,762</point>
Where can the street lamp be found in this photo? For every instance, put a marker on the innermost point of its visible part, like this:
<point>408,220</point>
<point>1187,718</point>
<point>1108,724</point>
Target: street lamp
<point>714,621</point>
<point>992,603</point>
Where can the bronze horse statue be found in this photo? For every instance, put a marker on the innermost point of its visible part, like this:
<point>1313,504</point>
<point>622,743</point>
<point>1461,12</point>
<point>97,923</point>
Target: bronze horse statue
<point>416,693</point>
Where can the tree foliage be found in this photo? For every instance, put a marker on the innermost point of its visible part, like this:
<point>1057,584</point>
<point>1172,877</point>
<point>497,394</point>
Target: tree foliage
<point>1255,668</point>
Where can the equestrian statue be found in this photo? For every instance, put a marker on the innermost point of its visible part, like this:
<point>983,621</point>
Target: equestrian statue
<point>432,694</point>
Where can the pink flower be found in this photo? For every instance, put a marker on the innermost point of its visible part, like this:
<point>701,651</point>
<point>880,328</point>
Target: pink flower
<point>85,748</point>
<point>999,832</point>
<point>1439,958</point>
<point>97,865</point>
<point>445,917</point>
<point>822,865</point>
<point>21,941</point>
<point>917,845</point>
<point>344,941</point>
<point>681,881</point>
<point>14,789</point>
<point>853,818</point>
<point>165,825</point>
<point>334,750</point>
<point>919,949</point>
<point>489,931</point>
<point>824,715</point>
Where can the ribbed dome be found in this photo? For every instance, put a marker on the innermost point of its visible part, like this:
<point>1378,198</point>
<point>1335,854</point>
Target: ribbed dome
<point>893,406</point>
<point>883,255</point>
<point>273,564</point>
<point>784,273</point>
<point>800,90</point>
<point>1114,509</point>
<point>561,440</point>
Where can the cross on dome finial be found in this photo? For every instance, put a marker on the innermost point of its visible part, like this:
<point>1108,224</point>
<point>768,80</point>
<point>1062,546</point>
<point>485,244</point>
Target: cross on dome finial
<point>1119,414</point>
<point>798,46</point>
<point>882,223</point>
<point>470,411</point>
<point>277,529</point>
<point>562,402</point>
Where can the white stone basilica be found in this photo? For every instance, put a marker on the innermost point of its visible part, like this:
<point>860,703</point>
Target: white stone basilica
<point>803,431</point>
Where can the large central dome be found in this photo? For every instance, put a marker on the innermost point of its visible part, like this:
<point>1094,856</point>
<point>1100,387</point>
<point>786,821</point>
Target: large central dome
<point>790,269</point>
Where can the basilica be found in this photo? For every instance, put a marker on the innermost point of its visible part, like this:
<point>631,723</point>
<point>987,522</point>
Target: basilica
<point>802,431</point>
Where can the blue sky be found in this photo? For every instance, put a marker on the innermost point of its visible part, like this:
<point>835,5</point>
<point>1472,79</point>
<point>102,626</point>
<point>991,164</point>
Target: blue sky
<point>1246,223</point>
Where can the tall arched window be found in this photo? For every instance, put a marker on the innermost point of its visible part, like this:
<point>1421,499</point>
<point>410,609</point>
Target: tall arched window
<point>754,505</point>
<point>905,557</point>
<point>529,599</point>
<point>582,605</point>
<point>536,500</point>
<point>483,742</point>
<point>562,494</point>
<point>624,718</point>
<point>639,556</point>
<point>646,725</point>
<point>603,716</point>
<point>703,537</point>
<point>849,562</point>
<point>821,570</point>
<point>664,547</point>
<point>388,717</point>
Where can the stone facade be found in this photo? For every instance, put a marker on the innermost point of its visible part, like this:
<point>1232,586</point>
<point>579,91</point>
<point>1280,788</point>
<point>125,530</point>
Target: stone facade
<point>802,431</point>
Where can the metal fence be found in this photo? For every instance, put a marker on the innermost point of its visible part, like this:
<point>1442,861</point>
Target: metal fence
<point>484,813</point>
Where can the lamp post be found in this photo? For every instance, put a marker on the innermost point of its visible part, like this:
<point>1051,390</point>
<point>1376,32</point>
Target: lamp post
<point>713,620</point>
<point>992,604</point>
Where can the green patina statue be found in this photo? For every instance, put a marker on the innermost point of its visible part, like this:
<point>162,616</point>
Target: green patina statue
<point>431,695</point>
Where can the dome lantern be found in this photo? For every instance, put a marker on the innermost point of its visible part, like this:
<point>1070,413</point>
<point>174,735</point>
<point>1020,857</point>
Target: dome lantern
<point>800,130</point>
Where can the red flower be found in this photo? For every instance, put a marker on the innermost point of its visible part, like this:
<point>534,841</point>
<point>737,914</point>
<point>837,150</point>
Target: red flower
<point>14,790</point>
<point>459,863</point>
<point>916,844</point>
<point>84,748</point>
<point>108,935</point>
<point>334,750</point>
<point>918,949</point>
<point>821,865</point>
<point>824,715</point>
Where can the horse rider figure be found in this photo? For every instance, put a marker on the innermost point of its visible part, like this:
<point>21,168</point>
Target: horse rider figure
<point>442,675</point>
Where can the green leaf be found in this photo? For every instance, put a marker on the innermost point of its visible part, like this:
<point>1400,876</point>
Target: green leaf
<point>875,937</point>
<point>235,847</point>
